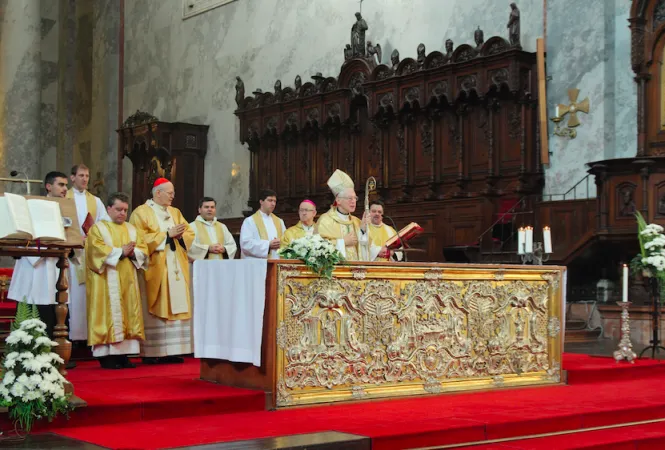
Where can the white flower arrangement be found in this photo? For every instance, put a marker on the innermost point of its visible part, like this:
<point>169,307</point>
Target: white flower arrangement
<point>319,254</point>
<point>32,387</point>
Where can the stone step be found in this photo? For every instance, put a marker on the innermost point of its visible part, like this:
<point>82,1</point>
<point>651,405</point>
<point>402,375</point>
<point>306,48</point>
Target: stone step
<point>582,335</point>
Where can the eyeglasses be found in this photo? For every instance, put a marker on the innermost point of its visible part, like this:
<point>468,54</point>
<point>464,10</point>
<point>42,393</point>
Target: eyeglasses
<point>306,210</point>
<point>353,199</point>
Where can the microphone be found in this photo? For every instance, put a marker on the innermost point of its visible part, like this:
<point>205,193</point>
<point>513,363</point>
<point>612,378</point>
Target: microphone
<point>27,183</point>
<point>401,244</point>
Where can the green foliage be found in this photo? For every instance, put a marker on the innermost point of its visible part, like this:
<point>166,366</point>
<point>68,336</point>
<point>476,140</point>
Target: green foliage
<point>24,311</point>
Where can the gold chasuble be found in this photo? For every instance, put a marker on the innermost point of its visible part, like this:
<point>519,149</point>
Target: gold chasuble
<point>379,235</point>
<point>296,232</point>
<point>112,287</point>
<point>333,225</point>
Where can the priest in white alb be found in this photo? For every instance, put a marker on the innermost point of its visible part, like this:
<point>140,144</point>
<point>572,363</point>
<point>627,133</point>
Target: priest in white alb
<point>261,232</point>
<point>114,252</point>
<point>339,225</point>
<point>167,305</point>
<point>306,225</point>
<point>89,210</point>
<point>212,235</point>
<point>34,277</point>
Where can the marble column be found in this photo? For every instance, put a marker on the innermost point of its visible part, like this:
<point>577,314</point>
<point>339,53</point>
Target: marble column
<point>20,88</point>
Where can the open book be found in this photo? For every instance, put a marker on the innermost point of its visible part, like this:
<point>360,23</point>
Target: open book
<point>405,235</point>
<point>30,219</point>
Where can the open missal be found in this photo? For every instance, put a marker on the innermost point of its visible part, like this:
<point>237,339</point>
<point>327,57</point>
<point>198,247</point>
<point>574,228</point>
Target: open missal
<point>405,235</point>
<point>30,219</point>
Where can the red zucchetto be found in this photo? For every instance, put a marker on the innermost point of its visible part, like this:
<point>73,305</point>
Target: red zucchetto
<point>159,181</point>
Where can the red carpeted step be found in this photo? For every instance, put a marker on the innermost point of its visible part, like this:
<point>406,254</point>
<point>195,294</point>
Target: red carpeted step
<point>593,369</point>
<point>642,437</point>
<point>407,423</point>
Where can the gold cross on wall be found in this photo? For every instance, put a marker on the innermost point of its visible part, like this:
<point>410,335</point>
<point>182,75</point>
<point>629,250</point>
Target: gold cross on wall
<point>573,108</point>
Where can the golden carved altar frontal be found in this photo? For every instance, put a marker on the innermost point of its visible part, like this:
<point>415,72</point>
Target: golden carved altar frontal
<point>390,330</point>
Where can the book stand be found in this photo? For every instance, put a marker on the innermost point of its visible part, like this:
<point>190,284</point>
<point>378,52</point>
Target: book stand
<point>61,250</point>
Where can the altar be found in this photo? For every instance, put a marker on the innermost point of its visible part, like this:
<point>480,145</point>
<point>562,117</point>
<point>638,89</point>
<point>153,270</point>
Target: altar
<point>385,330</point>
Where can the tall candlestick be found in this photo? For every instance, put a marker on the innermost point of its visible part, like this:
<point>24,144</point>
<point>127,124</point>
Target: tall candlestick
<point>528,244</point>
<point>520,241</point>
<point>625,283</point>
<point>547,239</point>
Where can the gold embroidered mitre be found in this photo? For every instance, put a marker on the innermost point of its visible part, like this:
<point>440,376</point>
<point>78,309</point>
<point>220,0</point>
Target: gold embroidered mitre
<point>339,181</point>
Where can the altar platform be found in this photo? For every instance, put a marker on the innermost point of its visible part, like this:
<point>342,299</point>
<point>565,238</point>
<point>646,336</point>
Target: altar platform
<point>155,407</point>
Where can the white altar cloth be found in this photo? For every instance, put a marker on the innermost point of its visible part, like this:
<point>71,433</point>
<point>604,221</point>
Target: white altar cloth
<point>229,299</point>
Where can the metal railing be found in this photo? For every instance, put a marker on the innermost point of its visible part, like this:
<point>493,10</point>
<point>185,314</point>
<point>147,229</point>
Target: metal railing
<point>584,182</point>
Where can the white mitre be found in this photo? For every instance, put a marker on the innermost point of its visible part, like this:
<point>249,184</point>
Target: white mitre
<point>339,181</point>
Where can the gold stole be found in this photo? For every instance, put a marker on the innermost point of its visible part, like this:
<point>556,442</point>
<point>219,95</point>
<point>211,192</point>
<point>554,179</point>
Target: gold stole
<point>91,206</point>
<point>204,238</point>
<point>90,202</point>
<point>258,221</point>
<point>378,236</point>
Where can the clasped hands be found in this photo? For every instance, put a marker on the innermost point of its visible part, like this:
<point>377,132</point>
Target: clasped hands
<point>275,244</point>
<point>217,249</point>
<point>351,239</point>
<point>128,249</point>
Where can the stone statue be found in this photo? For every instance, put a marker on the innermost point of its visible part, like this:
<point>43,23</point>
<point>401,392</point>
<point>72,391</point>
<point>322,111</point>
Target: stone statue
<point>257,93</point>
<point>394,58</point>
<point>348,52</point>
<point>479,37</point>
<point>449,51</point>
<point>514,26</point>
<point>358,36</point>
<point>278,90</point>
<point>374,50</point>
<point>298,83</point>
<point>318,80</point>
<point>421,55</point>
<point>240,92</point>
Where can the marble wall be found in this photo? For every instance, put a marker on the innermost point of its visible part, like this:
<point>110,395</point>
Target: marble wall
<point>184,70</point>
<point>50,35</point>
<point>588,48</point>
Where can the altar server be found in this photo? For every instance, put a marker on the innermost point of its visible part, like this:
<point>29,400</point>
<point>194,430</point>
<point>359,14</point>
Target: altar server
<point>114,252</point>
<point>34,278</point>
<point>380,233</point>
<point>260,233</point>
<point>89,210</point>
<point>165,285</point>
<point>306,225</point>
<point>212,235</point>
<point>346,231</point>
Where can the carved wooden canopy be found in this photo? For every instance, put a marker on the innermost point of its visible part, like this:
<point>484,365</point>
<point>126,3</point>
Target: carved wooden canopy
<point>647,24</point>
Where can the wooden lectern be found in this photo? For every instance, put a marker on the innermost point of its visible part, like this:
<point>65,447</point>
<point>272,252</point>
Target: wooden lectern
<point>74,240</point>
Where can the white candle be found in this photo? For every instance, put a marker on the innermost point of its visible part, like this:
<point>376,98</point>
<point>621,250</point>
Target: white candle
<point>625,283</point>
<point>556,114</point>
<point>528,244</point>
<point>520,241</point>
<point>547,239</point>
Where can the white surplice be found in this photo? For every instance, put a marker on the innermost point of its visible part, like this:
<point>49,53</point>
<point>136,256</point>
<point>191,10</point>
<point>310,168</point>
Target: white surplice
<point>251,244</point>
<point>211,227</point>
<point>78,319</point>
<point>34,280</point>
<point>224,327</point>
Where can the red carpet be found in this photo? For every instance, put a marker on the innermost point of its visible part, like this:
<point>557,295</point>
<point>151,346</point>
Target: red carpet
<point>620,394</point>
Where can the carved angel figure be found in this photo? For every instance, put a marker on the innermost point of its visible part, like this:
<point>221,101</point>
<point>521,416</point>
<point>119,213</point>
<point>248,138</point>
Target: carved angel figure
<point>374,50</point>
<point>348,53</point>
<point>240,91</point>
<point>298,83</point>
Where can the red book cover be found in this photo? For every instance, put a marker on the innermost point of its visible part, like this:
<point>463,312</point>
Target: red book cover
<point>87,223</point>
<point>405,235</point>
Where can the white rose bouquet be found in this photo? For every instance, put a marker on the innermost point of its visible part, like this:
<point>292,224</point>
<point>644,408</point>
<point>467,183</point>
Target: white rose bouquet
<point>319,254</point>
<point>31,388</point>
